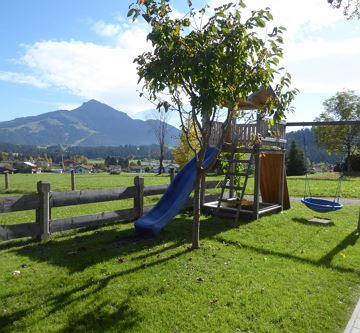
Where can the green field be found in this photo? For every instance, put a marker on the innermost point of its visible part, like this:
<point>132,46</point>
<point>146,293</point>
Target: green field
<point>26,183</point>
<point>277,274</point>
<point>323,185</point>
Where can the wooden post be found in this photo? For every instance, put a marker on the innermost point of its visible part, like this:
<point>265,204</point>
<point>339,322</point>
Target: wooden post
<point>72,180</point>
<point>172,175</point>
<point>358,226</point>
<point>139,197</point>
<point>233,137</point>
<point>282,181</point>
<point>43,212</point>
<point>7,180</point>
<point>256,203</point>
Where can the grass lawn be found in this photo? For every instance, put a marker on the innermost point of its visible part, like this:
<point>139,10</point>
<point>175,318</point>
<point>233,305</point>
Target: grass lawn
<point>26,183</point>
<point>323,185</point>
<point>277,274</point>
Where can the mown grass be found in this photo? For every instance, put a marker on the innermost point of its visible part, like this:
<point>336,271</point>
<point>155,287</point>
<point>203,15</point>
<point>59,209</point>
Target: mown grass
<point>277,274</point>
<point>322,185</point>
<point>26,183</point>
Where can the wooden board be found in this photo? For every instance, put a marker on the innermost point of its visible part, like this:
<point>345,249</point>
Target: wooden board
<point>317,220</point>
<point>270,179</point>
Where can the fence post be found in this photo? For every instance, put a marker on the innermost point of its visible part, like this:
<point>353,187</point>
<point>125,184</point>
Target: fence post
<point>172,175</point>
<point>139,197</point>
<point>358,226</point>
<point>72,180</point>
<point>43,212</point>
<point>7,180</point>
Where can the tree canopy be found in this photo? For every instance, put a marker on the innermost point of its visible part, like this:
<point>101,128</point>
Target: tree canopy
<point>203,66</point>
<point>351,8</point>
<point>344,105</point>
<point>183,152</point>
<point>295,161</point>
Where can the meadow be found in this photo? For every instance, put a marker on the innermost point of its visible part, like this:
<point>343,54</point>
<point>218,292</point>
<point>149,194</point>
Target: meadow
<point>276,274</point>
<point>322,184</point>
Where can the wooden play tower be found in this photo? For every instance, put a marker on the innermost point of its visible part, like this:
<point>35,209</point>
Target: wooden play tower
<point>253,149</point>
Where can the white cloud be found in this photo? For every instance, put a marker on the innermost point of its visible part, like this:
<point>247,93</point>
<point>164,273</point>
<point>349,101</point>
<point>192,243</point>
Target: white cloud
<point>106,71</point>
<point>90,70</point>
<point>106,29</point>
<point>297,16</point>
<point>22,78</point>
<point>321,48</point>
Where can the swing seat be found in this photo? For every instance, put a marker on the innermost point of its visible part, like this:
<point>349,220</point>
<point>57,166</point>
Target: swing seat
<point>321,205</point>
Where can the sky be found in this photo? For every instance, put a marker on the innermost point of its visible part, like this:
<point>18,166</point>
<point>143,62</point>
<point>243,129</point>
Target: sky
<point>59,54</point>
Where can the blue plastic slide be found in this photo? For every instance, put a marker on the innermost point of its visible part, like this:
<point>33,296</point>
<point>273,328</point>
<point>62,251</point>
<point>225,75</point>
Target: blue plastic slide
<point>174,199</point>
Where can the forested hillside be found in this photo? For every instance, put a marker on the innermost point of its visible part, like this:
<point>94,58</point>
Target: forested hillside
<point>313,152</point>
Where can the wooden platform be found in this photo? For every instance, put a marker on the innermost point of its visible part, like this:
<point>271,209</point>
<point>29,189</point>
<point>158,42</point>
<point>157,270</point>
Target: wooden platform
<point>265,208</point>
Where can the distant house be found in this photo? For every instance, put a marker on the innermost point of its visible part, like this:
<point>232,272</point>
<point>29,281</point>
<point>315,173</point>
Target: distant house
<point>167,167</point>
<point>69,164</point>
<point>26,167</point>
<point>114,168</point>
<point>137,168</point>
<point>6,168</point>
<point>84,168</point>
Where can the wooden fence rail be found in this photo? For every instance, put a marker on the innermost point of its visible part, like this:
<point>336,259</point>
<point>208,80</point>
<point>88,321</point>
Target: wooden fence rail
<point>45,200</point>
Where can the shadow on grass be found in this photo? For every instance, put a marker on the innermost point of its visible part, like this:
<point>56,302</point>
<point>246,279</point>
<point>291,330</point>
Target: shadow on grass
<point>100,317</point>
<point>85,250</point>
<point>324,261</point>
<point>105,316</point>
<point>82,250</point>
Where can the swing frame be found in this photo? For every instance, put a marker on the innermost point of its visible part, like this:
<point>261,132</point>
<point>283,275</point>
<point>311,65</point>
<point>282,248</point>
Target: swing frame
<point>318,204</point>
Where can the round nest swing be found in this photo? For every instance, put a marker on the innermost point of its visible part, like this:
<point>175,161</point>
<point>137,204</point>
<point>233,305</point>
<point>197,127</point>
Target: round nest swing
<point>321,205</point>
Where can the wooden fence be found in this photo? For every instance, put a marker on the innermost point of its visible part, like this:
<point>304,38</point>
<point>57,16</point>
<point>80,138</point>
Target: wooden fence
<point>45,200</point>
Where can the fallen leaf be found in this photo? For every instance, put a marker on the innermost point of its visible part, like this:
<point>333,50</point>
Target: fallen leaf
<point>214,300</point>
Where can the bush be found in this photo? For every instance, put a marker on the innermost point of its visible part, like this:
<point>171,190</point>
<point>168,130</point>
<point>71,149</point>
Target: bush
<point>354,162</point>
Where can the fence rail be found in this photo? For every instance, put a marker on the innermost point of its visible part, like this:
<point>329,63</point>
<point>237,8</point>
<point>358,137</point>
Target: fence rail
<point>45,200</point>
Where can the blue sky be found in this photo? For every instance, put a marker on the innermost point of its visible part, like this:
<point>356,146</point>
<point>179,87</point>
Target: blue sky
<point>59,54</point>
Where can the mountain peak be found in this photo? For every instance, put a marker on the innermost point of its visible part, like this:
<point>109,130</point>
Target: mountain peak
<point>91,124</point>
<point>93,103</point>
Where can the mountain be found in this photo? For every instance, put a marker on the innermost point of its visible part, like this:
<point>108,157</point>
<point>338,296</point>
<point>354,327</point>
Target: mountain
<point>91,124</point>
<point>313,152</point>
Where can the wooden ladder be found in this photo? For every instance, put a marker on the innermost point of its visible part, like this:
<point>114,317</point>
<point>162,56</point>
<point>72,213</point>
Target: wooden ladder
<point>235,185</point>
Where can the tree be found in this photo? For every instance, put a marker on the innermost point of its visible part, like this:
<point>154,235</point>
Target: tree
<point>351,8</point>
<point>110,160</point>
<point>339,139</point>
<point>202,68</point>
<point>295,161</point>
<point>183,152</point>
<point>160,128</point>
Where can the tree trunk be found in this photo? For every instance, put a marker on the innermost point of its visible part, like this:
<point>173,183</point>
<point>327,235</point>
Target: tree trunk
<point>197,209</point>
<point>161,159</point>
<point>348,159</point>
<point>161,167</point>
